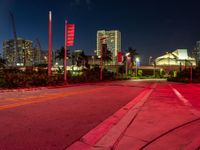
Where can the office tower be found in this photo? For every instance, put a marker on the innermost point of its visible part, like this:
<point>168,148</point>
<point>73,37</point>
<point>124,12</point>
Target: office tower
<point>196,52</point>
<point>20,56</point>
<point>113,41</point>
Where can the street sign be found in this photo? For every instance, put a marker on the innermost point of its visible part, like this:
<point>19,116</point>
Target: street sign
<point>70,34</point>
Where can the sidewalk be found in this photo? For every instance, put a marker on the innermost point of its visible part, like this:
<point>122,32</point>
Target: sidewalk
<point>159,121</point>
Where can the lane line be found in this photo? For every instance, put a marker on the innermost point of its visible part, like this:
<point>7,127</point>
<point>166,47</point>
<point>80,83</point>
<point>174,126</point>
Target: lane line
<point>185,101</point>
<point>47,98</point>
<point>36,96</point>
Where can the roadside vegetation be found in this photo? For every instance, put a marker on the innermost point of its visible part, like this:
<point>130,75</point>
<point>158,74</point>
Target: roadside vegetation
<point>37,76</point>
<point>185,76</point>
<point>15,78</point>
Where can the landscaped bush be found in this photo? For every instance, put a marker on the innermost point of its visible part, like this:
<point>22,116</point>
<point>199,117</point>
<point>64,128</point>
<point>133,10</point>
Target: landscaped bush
<point>14,78</point>
<point>184,76</point>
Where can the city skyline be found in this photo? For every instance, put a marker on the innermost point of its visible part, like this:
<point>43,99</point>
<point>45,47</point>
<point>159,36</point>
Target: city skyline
<point>150,27</point>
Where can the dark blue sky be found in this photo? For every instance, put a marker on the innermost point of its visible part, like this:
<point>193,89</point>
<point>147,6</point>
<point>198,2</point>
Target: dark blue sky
<point>151,26</point>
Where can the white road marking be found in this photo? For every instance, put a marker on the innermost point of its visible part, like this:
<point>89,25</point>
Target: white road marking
<point>186,102</point>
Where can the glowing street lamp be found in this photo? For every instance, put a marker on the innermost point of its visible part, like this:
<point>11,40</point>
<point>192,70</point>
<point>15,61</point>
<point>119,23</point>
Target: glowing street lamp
<point>191,72</point>
<point>150,57</point>
<point>137,60</point>
<point>127,56</point>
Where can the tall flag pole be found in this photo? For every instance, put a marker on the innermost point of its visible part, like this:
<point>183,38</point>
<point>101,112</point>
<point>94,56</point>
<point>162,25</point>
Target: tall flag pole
<point>50,45</point>
<point>69,41</point>
<point>65,54</point>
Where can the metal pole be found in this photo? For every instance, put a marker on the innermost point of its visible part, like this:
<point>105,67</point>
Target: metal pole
<point>101,61</point>
<point>50,45</point>
<point>191,73</point>
<point>126,67</point>
<point>136,70</point>
<point>93,60</point>
<point>154,69</point>
<point>117,66</point>
<point>150,60</point>
<point>65,54</point>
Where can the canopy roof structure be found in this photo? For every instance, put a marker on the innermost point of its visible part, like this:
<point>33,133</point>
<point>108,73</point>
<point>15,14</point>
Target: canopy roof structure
<point>177,57</point>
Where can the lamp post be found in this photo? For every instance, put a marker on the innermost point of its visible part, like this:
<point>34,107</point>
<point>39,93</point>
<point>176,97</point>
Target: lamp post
<point>127,54</point>
<point>154,69</point>
<point>137,60</point>
<point>190,72</point>
<point>93,60</point>
<point>150,57</point>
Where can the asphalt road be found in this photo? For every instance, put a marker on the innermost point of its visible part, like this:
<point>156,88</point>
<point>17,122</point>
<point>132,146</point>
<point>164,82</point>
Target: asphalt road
<point>55,118</point>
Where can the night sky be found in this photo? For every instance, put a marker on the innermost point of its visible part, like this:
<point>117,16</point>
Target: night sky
<point>151,26</point>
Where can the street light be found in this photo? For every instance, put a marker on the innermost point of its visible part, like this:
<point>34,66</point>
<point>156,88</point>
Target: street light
<point>93,60</point>
<point>154,69</point>
<point>150,57</point>
<point>191,72</point>
<point>127,56</point>
<point>137,60</point>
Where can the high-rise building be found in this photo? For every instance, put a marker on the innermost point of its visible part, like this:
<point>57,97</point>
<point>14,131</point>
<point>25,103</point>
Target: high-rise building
<point>37,56</point>
<point>196,52</point>
<point>23,55</point>
<point>37,53</point>
<point>113,41</point>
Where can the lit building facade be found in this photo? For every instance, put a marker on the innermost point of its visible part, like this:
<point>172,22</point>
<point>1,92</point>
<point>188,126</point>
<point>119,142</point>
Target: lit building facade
<point>196,52</point>
<point>23,55</point>
<point>175,58</point>
<point>112,40</point>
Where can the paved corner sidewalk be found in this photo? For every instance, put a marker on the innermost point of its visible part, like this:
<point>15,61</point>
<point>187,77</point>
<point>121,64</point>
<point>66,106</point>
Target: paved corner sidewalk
<point>159,121</point>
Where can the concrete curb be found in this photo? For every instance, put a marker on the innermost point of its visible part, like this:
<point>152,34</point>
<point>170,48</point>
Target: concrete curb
<point>107,134</point>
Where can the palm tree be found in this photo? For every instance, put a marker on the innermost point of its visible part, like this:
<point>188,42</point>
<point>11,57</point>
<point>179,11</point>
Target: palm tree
<point>106,54</point>
<point>60,54</point>
<point>132,53</point>
<point>130,58</point>
<point>80,59</point>
<point>2,62</point>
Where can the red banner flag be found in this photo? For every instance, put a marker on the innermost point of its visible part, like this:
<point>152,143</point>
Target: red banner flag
<point>70,34</point>
<point>119,57</point>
